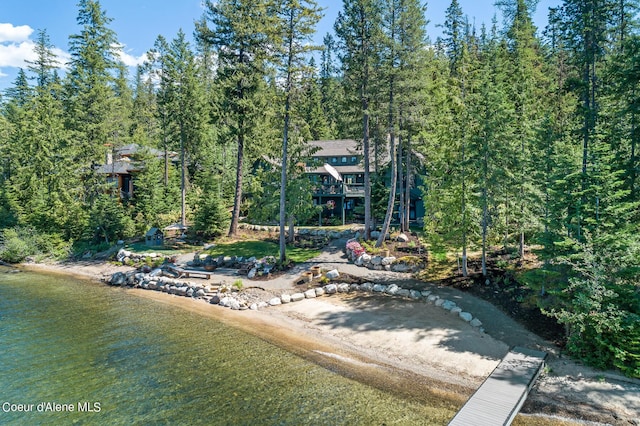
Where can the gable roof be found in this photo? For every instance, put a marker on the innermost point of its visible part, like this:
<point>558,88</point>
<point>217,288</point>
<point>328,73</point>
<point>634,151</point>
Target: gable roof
<point>336,148</point>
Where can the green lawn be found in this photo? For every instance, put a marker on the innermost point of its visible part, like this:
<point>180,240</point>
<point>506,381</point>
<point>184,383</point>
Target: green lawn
<point>260,249</point>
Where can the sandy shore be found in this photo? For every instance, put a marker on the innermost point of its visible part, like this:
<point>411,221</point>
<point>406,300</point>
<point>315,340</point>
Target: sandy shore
<point>412,347</point>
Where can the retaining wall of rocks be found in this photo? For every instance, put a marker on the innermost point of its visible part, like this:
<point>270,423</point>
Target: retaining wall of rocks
<point>228,296</point>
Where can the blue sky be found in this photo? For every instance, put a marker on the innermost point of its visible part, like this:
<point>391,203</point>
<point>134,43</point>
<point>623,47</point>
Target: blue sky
<point>137,23</point>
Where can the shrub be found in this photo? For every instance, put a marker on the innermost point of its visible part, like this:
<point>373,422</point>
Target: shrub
<point>16,244</point>
<point>238,284</point>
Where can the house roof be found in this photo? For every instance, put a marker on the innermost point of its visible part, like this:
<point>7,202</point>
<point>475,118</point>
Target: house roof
<point>336,148</point>
<point>116,168</point>
<point>133,148</point>
<point>153,231</point>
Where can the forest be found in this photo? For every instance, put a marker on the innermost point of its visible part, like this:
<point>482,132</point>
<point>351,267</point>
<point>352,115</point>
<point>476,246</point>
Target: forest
<point>519,138</point>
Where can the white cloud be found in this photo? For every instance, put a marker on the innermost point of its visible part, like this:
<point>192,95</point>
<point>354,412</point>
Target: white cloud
<point>14,34</point>
<point>132,61</point>
<point>14,54</point>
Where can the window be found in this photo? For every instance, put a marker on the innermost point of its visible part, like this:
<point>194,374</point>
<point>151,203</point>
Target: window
<point>344,160</point>
<point>334,160</point>
<point>354,160</point>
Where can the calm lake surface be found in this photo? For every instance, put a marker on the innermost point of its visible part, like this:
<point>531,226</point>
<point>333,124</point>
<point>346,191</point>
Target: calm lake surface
<point>123,359</point>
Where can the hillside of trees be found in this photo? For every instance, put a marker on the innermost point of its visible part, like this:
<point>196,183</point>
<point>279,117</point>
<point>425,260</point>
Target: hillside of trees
<point>521,138</point>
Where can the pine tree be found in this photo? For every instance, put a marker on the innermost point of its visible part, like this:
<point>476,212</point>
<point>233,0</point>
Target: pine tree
<point>358,28</point>
<point>89,92</point>
<point>242,34</point>
<point>298,19</point>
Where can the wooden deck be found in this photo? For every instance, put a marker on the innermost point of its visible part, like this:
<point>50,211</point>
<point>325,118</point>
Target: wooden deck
<point>500,397</point>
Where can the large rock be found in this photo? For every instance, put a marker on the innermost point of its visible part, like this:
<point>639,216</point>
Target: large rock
<point>415,294</point>
<point>332,274</point>
<point>320,291</point>
<point>310,294</point>
<point>466,316</point>
<point>343,288</point>
<point>119,279</point>
<point>376,260</point>
<point>387,260</point>
<point>403,293</point>
<point>379,288</point>
<point>285,298</point>
<point>367,287</point>
<point>392,289</point>
<point>296,297</point>
<point>331,288</point>
<point>448,305</point>
<point>476,322</point>
<point>402,238</point>
<point>252,273</point>
<point>400,267</point>
<point>275,301</point>
<point>234,305</point>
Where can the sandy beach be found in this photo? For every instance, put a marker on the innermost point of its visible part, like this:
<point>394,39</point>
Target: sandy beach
<point>409,347</point>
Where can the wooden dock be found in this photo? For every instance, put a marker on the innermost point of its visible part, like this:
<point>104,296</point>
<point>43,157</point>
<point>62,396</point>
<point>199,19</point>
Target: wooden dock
<point>500,397</point>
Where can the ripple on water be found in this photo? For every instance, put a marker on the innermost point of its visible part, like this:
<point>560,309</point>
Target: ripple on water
<point>71,341</point>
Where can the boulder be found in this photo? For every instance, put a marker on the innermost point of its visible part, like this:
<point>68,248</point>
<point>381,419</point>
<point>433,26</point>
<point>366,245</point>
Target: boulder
<point>433,298</point>
<point>400,267</point>
<point>331,288</point>
<point>366,287</point>
<point>119,279</point>
<point>200,293</point>
<point>403,293</point>
<point>225,301</point>
<point>466,316</point>
<point>343,288</point>
<point>376,260</point>
<point>252,273</point>
<point>320,291</point>
<point>263,305</point>
<point>310,294</point>
<point>275,301</point>
<point>448,305</point>
<point>332,274</point>
<point>285,298</point>
<point>415,294</point>
<point>402,238</point>
<point>425,293</point>
<point>476,322</point>
<point>392,289</point>
<point>386,261</point>
<point>253,307</point>
<point>296,297</point>
<point>354,287</point>
<point>379,288</point>
<point>456,310</point>
<point>439,302</point>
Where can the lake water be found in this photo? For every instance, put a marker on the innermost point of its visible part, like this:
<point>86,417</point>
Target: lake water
<point>78,352</point>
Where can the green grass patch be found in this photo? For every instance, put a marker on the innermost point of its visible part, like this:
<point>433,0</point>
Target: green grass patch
<point>260,249</point>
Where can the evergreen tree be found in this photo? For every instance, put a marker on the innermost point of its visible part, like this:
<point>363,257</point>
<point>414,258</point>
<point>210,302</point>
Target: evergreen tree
<point>89,92</point>
<point>298,19</point>
<point>358,28</point>
<point>243,35</point>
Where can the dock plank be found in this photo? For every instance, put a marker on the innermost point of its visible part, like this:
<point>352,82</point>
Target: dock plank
<point>500,397</point>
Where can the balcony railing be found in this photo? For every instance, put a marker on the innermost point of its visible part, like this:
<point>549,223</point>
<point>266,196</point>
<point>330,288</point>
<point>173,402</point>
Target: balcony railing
<point>337,189</point>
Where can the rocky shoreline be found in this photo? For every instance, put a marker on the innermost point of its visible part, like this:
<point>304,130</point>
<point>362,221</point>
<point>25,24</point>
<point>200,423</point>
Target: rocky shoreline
<point>230,297</point>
